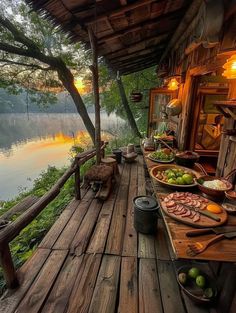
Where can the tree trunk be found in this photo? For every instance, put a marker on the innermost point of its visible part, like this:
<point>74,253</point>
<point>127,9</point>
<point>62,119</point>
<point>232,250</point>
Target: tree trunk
<point>127,108</point>
<point>67,79</point>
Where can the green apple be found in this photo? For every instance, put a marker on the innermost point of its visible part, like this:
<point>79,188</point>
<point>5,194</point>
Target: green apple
<point>188,179</point>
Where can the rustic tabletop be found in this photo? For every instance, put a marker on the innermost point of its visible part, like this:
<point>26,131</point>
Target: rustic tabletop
<point>224,250</point>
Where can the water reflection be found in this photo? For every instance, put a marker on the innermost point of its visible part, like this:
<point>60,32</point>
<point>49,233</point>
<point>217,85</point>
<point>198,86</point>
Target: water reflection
<point>28,146</point>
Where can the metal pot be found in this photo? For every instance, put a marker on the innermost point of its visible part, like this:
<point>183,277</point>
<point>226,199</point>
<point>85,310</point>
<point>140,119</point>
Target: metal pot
<point>145,214</point>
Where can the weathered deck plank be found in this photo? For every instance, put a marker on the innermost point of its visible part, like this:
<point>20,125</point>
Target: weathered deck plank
<point>104,297</point>
<point>116,233</point>
<point>84,286</point>
<point>130,236</point>
<point>99,237</point>
<point>170,295</point>
<point>68,233</point>
<point>58,297</point>
<point>38,291</point>
<point>82,237</point>
<point>57,228</point>
<point>128,300</point>
<point>149,292</point>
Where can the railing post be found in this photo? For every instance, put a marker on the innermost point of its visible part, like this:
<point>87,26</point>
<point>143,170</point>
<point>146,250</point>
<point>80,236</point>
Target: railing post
<point>8,267</point>
<point>77,180</point>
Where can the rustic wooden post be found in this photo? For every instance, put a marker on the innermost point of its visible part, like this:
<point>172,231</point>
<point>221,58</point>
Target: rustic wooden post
<point>77,180</point>
<point>7,265</point>
<point>94,69</point>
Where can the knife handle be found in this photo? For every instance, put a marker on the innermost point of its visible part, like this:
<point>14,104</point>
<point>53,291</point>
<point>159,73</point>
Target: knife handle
<point>198,232</point>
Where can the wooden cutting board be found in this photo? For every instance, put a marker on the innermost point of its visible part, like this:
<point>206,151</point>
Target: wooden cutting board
<point>204,222</point>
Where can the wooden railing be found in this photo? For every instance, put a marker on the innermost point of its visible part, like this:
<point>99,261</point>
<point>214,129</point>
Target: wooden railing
<point>13,229</point>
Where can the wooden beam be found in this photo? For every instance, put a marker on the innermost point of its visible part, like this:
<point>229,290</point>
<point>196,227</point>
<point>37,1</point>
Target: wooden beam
<point>137,53</point>
<point>121,10</point>
<point>137,65</point>
<point>143,58</point>
<point>183,25</point>
<point>151,21</point>
<point>94,69</point>
<point>124,51</point>
<point>134,69</point>
<point>231,10</point>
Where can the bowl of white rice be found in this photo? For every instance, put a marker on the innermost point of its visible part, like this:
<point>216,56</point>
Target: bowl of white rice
<point>214,187</point>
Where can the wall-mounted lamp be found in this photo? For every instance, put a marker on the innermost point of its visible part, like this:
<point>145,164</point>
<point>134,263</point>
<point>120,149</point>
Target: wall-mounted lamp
<point>173,84</point>
<point>230,68</point>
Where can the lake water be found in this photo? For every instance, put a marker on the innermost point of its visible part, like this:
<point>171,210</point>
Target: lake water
<point>29,144</point>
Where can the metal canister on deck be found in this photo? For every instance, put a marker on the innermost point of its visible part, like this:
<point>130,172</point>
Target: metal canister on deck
<point>145,214</point>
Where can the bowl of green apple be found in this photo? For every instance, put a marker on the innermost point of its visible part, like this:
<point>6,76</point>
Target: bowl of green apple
<point>174,176</point>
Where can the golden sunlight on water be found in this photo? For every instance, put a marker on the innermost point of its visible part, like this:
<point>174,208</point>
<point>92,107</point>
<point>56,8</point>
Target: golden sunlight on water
<point>25,161</point>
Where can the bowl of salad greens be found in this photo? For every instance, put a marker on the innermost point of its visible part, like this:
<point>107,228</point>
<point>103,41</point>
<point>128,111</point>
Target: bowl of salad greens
<point>162,156</point>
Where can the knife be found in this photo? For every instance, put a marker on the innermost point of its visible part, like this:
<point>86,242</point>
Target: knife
<point>205,213</point>
<point>216,230</point>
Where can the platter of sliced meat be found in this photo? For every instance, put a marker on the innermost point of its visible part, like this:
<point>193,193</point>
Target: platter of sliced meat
<point>193,209</point>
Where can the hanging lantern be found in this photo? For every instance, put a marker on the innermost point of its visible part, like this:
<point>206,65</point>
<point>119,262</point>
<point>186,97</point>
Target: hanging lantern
<point>173,84</point>
<point>136,96</point>
<point>230,68</point>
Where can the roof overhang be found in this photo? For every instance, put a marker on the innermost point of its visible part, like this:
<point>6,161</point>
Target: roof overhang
<point>131,34</point>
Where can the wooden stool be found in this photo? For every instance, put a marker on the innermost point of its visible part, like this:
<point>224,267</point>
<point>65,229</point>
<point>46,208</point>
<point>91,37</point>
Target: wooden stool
<point>112,163</point>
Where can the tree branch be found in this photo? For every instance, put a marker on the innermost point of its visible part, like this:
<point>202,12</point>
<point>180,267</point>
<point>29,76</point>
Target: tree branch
<point>18,35</point>
<point>25,64</point>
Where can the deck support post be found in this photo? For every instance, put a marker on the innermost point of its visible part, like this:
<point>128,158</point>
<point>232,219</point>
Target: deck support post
<point>94,70</point>
<point>77,180</point>
<point>8,267</point>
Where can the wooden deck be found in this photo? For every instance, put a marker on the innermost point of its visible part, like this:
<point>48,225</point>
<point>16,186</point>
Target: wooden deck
<point>92,260</point>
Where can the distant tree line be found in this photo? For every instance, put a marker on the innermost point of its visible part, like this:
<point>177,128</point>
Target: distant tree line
<point>22,103</point>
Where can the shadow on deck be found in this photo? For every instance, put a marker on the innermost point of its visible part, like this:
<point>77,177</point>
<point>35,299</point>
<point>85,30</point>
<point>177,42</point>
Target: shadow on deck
<point>92,260</point>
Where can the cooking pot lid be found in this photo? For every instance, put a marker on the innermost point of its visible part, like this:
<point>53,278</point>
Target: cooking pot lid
<point>145,203</point>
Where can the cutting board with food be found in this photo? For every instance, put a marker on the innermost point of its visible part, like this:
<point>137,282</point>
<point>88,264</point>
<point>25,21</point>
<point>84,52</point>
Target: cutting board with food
<point>193,210</point>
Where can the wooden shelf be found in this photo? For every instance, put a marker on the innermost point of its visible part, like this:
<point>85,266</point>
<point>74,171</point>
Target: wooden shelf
<point>227,108</point>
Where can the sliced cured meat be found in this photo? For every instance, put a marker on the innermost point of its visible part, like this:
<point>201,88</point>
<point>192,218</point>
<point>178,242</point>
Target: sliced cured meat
<point>195,197</point>
<point>198,204</point>
<point>170,204</point>
<point>187,213</point>
<point>196,217</point>
<point>180,212</point>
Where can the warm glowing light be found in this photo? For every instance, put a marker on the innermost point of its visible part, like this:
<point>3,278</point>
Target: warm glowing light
<point>173,84</point>
<point>80,86</point>
<point>230,68</point>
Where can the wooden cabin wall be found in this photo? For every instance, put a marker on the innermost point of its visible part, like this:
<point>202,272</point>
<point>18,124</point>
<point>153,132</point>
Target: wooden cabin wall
<point>191,61</point>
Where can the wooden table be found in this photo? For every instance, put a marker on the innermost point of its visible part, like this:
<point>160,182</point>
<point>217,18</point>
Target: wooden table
<point>224,250</point>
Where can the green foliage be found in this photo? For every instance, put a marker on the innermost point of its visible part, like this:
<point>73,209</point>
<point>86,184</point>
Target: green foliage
<point>23,245</point>
<point>110,97</point>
